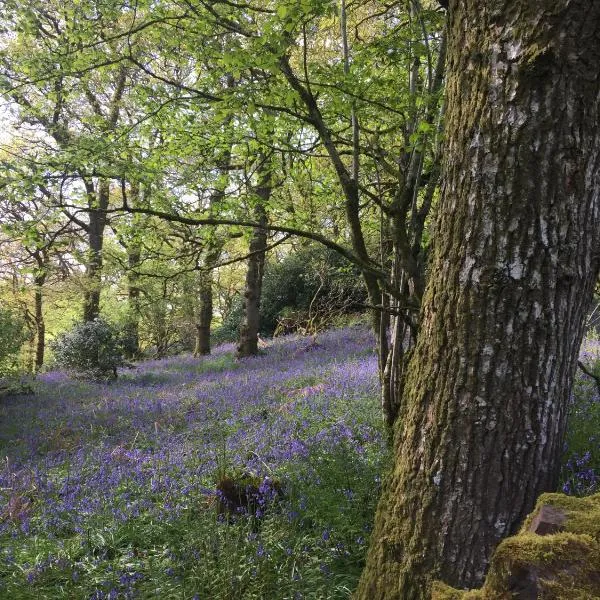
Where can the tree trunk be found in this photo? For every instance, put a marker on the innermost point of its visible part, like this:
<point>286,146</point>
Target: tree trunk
<point>40,326</point>
<point>132,327</point>
<point>98,203</point>
<point>248,345</point>
<point>133,247</point>
<point>514,264</point>
<point>214,247</point>
<point>205,308</point>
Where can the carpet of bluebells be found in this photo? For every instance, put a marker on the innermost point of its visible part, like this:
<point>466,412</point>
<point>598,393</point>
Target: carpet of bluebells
<point>110,490</point>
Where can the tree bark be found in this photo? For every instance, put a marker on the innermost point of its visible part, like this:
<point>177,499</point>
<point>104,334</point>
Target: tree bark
<point>205,307</point>
<point>41,258</point>
<point>214,247</point>
<point>132,327</point>
<point>133,246</point>
<point>97,203</point>
<point>514,264</point>
<point>248,345</point>
<point>98,200</point>
<point>40,326</point>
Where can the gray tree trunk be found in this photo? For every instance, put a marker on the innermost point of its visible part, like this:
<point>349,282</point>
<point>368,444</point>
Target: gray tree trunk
<point>514,263</point>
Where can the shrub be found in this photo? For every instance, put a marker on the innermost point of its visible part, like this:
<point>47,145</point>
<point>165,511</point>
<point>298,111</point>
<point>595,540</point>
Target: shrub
<point>308,290</point>
<point>91,350</point>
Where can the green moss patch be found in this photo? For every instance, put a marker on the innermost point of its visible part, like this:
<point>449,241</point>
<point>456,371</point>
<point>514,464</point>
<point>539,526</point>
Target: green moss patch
<point>560,566</point>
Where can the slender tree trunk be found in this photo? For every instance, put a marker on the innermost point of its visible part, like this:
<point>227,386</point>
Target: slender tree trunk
<point>205,308</point>
<point>133,247</point>
<point>248,345</point>
<point>98,203</point>
<point>513,269</point>
<point>40,326</point>
<point>132,326</point>
<point>407,223</point>
<point>95,230</point>
<point>214,247</point>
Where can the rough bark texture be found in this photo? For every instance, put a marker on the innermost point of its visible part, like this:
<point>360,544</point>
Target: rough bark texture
<point>512,273</point>
<point>248,345</point>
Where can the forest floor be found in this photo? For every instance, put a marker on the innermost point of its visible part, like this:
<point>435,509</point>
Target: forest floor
<point>212,478</point>
<point>196,478</point>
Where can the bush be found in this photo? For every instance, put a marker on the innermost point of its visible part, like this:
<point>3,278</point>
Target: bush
<point>308,290</point>
<point>12,336</point>
<point>91,350</point>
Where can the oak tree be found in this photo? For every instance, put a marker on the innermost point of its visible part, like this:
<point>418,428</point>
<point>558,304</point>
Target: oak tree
<point>514,264</point>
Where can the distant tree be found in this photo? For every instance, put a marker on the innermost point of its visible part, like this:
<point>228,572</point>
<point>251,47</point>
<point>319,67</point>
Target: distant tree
<point>38,238</point>
<point>215,241</point>
<point>65,118</point>
<point>515,260</point>
<point>248,343</point>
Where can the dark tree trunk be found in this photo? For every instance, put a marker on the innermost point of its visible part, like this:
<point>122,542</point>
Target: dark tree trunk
<point>132,327</point>
<point>214,247</point>
<point>514,264</point>
<point>98,200</point>
<point>133,247</point>
<point>40,326</point>
<point>98,203</point>
<point>205,309</point>
<point>41,258</point>
<point>248,345</point>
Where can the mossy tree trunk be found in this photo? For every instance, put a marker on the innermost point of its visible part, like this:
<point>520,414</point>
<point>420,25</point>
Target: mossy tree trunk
<point>514,263</point>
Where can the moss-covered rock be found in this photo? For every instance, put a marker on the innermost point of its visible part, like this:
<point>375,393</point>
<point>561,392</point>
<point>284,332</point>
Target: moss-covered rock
<point>560,566</point>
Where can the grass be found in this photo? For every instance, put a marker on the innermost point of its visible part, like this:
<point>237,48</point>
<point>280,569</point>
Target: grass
<point>116,490</point>
<point>581,462</point>
<point>113,488</point>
